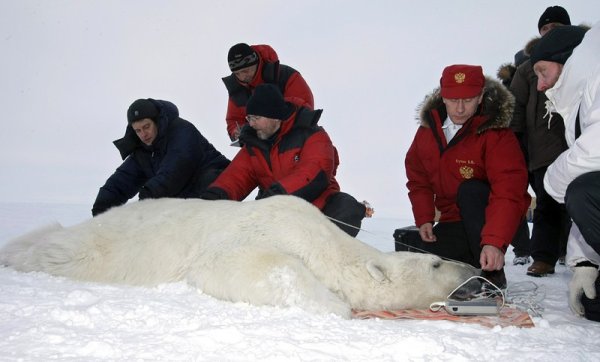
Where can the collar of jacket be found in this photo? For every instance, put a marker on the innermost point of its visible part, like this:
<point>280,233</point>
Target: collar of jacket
<point>266,73</point>
<point>496,107</point>
<point>301,118</point>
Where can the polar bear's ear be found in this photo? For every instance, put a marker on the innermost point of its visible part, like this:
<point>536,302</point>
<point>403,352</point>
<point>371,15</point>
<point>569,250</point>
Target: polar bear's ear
<point>377,271</point>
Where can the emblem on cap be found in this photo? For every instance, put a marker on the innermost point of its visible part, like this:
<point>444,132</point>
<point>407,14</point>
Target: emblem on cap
<point>459,78</point>
<point>136,113</point>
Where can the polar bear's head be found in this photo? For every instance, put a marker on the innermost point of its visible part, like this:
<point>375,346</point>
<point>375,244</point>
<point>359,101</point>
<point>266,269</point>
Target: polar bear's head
<point>404,280</point>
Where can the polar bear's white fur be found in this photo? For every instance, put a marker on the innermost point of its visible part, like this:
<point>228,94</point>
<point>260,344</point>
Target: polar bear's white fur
<point>277,251</point>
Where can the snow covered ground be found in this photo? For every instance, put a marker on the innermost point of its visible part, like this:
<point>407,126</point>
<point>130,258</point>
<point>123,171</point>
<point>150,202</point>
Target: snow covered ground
<point>46,318</point>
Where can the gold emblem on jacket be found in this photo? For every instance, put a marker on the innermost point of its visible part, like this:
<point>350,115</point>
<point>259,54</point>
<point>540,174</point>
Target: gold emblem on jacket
<point>459,78</point>
<point>466,172</point>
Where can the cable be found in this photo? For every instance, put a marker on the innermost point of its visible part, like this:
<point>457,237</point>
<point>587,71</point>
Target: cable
<point>527,296</point>
<point>486,293</point>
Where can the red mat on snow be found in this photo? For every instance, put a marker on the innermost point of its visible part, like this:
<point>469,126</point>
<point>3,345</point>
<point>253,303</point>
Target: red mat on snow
<point>508,316</point>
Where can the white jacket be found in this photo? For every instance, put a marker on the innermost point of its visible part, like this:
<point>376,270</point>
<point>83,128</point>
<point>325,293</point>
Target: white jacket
<point>577,89</point>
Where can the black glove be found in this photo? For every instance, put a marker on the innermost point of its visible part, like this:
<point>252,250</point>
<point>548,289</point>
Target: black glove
<point>274,189</point>
<point>145,193</point>
<point>106,199</point>
<point>214,193</point>
<point>97,209</point>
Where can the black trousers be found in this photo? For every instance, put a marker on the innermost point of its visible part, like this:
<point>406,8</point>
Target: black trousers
<point>344,207</point>
<point>551,223</point>
<point>461,240</point>
<point>582,200</point>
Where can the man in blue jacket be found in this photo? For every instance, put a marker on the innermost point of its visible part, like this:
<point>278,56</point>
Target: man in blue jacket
<point>164,156</point>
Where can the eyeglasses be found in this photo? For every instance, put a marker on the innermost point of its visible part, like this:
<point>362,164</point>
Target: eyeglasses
<point>251,118</point>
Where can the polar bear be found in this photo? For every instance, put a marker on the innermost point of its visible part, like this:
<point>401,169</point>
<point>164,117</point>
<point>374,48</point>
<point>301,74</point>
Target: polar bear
<point>278,251</point>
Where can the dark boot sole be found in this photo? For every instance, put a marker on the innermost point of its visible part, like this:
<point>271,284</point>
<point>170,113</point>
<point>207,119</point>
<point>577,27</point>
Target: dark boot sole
<point>539,275</point>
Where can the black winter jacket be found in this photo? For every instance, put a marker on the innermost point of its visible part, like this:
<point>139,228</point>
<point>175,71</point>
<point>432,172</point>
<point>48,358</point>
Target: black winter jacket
<point>544,138</point>
<point>173,166</point>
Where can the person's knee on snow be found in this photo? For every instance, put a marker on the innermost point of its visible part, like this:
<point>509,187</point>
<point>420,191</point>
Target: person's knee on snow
<point>582,200</point>
<point>347,210</point>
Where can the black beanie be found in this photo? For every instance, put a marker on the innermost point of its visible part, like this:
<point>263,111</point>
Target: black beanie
<point>241,56</point>
<point>554,14</point>
<point>558,44</point>
<point>267,101</point>
<point>520,57</point>
<point>140,109</point>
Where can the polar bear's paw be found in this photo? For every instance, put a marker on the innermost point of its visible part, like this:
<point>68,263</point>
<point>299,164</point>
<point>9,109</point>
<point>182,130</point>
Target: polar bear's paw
<point>267,277</point>
<point>295,285</point>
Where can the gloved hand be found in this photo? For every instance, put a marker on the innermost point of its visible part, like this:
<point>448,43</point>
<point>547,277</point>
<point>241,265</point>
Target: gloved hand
<point>145,193</point>
<point>214,193</point>
<point>274,189</point>
<point>584,278</point>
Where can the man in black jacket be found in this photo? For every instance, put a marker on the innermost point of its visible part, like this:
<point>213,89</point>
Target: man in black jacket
<point>164,156</point>
<point>543,138</point>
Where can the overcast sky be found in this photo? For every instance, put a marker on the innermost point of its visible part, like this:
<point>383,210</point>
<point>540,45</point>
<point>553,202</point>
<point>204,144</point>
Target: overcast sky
<point>70,69</point>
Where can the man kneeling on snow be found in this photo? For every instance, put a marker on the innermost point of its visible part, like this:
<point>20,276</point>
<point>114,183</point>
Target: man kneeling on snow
<point>465,162</point>
<point>164,156</point>
<point>284,152</point>
<point>568,69</point>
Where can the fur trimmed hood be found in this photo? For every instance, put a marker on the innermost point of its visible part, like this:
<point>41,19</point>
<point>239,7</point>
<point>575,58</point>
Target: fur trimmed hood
<point>530,45</point>
<point>505,73</point>
<point>497,106</point>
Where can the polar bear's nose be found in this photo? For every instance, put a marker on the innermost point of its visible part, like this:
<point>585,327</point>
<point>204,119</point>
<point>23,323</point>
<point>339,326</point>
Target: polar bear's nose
<point>468,290</point>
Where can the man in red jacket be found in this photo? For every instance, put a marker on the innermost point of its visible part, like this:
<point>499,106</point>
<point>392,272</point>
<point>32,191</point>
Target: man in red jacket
<point>465,162</point>
<point>254,65</point>
<point>285,152</point>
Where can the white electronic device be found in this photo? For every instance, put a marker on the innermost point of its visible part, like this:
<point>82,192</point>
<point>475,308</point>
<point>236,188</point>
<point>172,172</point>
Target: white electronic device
<point>486,306</point>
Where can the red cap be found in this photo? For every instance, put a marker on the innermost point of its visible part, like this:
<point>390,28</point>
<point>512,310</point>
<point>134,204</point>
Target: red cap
<point>462,81</point>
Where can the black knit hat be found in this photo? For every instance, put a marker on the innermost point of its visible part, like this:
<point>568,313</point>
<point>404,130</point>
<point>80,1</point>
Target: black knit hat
<point>241,56</point>
<point>554,14</point>
<point>267,101</point>
<point>558,44</point>
<point>520,57</point>
<point>140,109</point>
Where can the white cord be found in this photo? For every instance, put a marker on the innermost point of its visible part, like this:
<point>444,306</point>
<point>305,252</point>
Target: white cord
<point>526,296</point>
<point>436,306</point>
<point>346,224</point>
<point>485,294</point>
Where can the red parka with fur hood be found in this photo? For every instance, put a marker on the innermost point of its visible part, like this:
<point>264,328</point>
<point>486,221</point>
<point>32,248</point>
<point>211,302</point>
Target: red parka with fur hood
<point>484,149</point>
<point>290,82</point>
